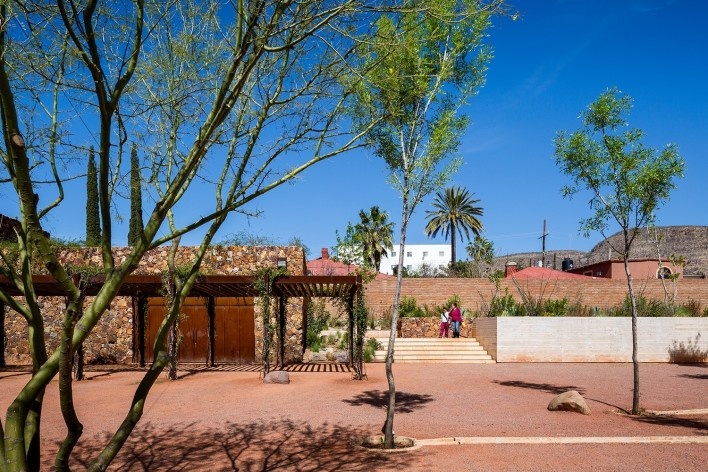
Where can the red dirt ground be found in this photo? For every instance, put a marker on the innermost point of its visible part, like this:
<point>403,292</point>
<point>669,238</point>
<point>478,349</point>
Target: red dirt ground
<point>230,420</point>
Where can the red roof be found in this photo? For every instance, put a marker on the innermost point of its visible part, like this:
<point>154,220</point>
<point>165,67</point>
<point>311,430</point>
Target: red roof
<point>534,272</point>
<point>326,266</point>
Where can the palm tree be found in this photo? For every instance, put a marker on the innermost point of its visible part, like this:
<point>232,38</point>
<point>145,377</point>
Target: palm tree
<point>455,212</point>
<point>376,235</point>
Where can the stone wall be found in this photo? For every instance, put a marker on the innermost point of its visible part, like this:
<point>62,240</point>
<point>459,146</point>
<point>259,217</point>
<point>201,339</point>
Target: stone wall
<point>112,339</point>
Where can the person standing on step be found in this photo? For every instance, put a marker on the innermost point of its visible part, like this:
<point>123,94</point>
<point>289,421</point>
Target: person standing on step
<point>456,318</point>
<point>444,323</point>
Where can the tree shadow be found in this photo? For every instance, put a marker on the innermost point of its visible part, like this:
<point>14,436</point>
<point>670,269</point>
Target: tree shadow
<point>405,402</point>
<point>663,420</point>
<point>277,445</point>
<point>544,387</point>
<point>695,376</point>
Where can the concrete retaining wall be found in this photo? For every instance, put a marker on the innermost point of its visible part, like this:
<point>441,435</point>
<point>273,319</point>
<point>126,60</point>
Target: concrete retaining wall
<point>593,339</point>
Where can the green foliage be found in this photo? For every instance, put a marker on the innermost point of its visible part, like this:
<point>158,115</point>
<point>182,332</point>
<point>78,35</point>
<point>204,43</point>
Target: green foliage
<point>317,320</point>
<point>349,248</point>
<point>265,278</point>
<point>555,307</point>
<point>455,212</point>
<point>244,238</point>
<point>93,221</point>
<point>409,308</point>
<point>371,346</point>
<point>505,305</point>
<point>375,234</point>
<point>135,224</point>
<point>627,180</point>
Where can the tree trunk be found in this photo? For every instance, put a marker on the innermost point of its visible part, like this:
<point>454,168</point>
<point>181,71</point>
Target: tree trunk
<point>391,407</point>
<point>633,303</point>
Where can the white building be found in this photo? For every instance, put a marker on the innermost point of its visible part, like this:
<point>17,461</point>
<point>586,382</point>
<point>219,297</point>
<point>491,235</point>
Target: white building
<point>436,256</point>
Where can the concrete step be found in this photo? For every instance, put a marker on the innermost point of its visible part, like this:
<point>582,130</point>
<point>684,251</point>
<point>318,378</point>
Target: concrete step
<point>443,350</point>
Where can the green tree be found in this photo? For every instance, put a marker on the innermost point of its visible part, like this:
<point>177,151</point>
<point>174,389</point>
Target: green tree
<point>217,95</point>
<point>627,181</point>
<point>424,65</point>
<point>454,213</point>
<point>375,233</point>
<point>481,251</point>
<point>349,248</point>
<point>93,225</point>
<point>135,224</point>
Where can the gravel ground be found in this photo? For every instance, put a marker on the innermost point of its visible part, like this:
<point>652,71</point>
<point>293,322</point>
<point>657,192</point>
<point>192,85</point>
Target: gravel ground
<point>212,420</point>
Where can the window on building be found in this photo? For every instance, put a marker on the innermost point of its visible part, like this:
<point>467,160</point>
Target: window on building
<point>409,254</point>
<point>441,254</point>
<point>664,273</point>
<point>409,267</point>
<point>393,253</point>
<point>425,253</point>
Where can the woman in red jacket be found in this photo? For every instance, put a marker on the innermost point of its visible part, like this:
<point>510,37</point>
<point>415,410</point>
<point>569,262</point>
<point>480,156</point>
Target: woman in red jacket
<point>456,319</point>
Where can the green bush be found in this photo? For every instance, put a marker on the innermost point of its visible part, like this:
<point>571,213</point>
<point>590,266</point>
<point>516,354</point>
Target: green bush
<point>371,346</point>
<point>408,308</point>
<point>317,320</point>
<point>555,307</point>
<point>505,305</point>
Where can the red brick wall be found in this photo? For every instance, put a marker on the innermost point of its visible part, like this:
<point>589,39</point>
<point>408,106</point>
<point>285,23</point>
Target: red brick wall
<point>475,293</point>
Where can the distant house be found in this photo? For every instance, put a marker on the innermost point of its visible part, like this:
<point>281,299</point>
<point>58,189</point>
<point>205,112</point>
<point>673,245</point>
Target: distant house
<point>639,268</point>
<point>535,272</point>
<point>435,256</point>
<point>326,266</point>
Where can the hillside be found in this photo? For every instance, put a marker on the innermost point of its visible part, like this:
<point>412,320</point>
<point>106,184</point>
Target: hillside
<point>691,242</point>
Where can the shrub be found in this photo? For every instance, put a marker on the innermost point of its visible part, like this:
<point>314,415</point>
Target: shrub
<point>555,307</point>
<point>408,308</point>
<point>372,345</point>
<point>505,305</point>
<point>317,320</point>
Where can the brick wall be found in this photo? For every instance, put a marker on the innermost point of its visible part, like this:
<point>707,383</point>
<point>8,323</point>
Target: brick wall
<point>476,293</point>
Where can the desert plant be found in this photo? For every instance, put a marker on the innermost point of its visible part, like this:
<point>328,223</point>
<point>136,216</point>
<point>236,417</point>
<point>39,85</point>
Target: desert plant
<point>317,320</point>
<point>409,308</point>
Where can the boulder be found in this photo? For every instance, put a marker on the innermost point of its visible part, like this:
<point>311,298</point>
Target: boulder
<point>569,401</point>
<point>277,377</point>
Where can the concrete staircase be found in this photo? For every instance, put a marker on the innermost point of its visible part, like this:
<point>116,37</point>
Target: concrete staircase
<point>430,350</point>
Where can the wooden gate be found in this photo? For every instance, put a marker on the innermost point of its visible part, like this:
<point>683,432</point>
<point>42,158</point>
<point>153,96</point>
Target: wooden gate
<point>233,326</point>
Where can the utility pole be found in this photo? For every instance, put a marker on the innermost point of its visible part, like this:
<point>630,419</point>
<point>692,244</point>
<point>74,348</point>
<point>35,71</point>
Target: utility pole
<point>543,245</point>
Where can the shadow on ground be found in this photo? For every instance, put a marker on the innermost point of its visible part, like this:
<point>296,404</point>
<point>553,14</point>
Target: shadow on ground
<point>405,402</point>
<point>544,387</point>
<point>699,424</point>
<point>264,446</point>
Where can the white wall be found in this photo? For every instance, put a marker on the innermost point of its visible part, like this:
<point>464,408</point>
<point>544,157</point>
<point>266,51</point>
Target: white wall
<point>435,255</point>
<point>593,339</point>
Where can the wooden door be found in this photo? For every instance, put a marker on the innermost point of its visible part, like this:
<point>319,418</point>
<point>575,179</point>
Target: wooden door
<point>234,326</point>
<point>234,330</point>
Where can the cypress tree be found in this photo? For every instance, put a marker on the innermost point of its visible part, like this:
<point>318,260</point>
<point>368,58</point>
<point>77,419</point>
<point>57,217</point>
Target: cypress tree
<point>135,227</point>
<point>93,225</point>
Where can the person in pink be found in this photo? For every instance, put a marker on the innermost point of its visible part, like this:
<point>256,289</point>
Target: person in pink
<point>444,323</point>
<point>456,319</point>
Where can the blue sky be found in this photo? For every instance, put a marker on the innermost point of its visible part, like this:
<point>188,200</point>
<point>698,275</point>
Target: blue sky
<point>549,64</point>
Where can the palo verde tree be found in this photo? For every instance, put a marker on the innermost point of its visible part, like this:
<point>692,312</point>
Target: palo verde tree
<point>627,181</point>
<point>135,224</point>
<point>227,100</point>
<point>93,225</point>
<point>425,65</point>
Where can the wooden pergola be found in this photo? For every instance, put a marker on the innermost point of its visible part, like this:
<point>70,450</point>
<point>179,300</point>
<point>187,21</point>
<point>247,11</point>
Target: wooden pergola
<point>142,287</point>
